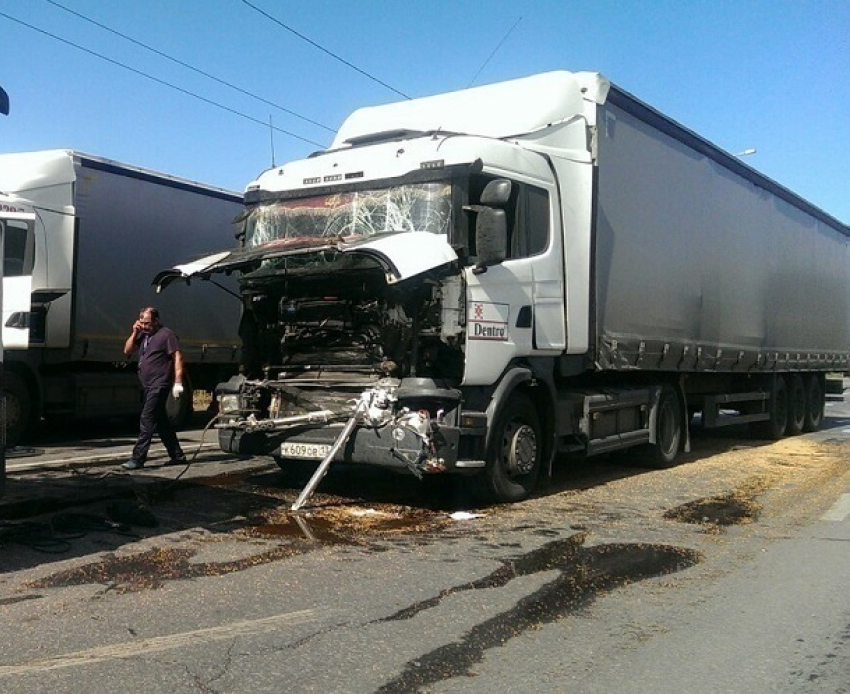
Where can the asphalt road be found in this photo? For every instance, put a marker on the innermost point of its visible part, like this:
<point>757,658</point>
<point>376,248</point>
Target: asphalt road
<point>726,573</point>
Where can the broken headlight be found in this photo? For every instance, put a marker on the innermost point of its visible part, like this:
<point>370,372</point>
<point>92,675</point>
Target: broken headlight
<point>228,403</point>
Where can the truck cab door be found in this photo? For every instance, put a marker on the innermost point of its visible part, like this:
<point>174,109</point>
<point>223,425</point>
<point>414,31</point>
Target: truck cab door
<point>18,250</point>
<point>516,301</point>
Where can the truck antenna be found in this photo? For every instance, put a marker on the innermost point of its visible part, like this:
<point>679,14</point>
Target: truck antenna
<point>271,136</point>
<point>495,50</point>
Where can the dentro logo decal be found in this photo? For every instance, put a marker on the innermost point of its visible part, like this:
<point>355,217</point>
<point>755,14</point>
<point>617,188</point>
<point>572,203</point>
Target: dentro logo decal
<point>489,321</point>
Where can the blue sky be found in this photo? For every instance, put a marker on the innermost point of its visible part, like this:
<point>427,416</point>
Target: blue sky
<point>769,74</point>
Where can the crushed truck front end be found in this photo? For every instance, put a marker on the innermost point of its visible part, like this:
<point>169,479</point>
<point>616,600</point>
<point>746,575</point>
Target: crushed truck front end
<point>353,308</point>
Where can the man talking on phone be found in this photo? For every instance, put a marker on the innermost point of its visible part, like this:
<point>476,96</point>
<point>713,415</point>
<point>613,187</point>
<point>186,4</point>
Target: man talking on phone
<point>161,373</point>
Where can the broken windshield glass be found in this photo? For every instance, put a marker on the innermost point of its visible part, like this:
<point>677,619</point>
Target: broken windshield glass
<point>321,219</point>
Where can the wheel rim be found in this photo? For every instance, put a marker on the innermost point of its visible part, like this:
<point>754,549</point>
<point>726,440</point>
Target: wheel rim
<point>519,448</point>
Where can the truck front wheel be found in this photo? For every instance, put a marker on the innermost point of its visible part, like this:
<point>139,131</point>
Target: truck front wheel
<point>514,453</point>
<point>668,431</point>
<point>18,410</point>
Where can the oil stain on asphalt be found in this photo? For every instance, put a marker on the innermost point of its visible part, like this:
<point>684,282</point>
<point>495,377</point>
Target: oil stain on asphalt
<point>584,574</point>
<point>733,508</point>
<point>300,532</point>
<point>151,569</point>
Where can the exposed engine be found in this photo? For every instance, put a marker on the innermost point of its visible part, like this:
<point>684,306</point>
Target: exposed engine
<point>323,347</point>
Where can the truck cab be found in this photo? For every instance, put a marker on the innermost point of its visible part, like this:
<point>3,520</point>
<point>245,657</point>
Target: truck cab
<point>17,223</point>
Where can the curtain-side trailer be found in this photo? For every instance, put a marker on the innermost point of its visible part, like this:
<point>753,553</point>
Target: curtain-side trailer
<point>475,281</point>
<point>76,283</point>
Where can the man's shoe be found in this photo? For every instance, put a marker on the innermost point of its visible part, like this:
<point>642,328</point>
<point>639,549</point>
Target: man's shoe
<point>179,460</point>
<point>133,465</point>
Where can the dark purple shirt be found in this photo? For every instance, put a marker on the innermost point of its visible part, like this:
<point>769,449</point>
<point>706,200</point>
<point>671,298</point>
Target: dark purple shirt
<point>156,358</point>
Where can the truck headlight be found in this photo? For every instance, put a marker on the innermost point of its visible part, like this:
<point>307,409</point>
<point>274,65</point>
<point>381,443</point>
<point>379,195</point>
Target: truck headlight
<point>228,403</point>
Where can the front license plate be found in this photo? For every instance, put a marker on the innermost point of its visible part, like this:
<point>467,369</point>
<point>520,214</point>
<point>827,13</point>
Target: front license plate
<point>293,449</point>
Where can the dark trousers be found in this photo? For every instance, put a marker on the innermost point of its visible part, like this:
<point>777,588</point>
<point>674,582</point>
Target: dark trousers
<point>155,420</point>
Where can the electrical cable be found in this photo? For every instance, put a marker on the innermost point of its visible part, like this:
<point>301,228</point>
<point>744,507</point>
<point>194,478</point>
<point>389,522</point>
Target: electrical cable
<point>72,525</point>
<point>495,50</point>
<point>188,66</point>
<point>323,49</point>
<point>53,536</point>
<point>191,459</point>
<point>151,495</point>
<point>160,81</point>
<point>36,536</point>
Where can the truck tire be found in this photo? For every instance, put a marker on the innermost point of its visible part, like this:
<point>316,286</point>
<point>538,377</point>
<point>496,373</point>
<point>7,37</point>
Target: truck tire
<point>19,409</point>
<point>774,428</point>
<point>668,432</point>
<point>796,405</point>
<point>815,401</point>
<point>514,454</point>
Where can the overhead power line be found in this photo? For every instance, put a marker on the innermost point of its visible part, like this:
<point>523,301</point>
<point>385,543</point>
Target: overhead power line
<point>187,65</point>
<point>158,80</point>
<point>495,50</point>
<point>322,48</point>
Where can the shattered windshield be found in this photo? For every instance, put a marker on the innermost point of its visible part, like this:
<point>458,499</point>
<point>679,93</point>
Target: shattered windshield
<point>358,214</point>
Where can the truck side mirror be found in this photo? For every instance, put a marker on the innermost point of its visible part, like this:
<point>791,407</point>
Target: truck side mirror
<point>496,193</point>
<point>491,238</point>
<point>491,225</point>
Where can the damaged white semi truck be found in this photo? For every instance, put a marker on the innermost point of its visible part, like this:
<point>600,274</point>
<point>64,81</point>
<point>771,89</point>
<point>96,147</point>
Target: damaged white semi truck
<point>476,281</point>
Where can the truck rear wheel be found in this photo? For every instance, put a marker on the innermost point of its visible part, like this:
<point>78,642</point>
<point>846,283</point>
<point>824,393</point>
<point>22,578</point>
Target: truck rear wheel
<point>514,454</point>
<point>815,400</point>
<point>796,405</point>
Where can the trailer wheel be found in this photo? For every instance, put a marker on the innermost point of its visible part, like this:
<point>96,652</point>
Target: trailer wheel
<point>796,405</point>
<point>668,431</point>
<point>514,454</point>
<point>19,410</point>
<point>774,428</point>
<point>815,400</point>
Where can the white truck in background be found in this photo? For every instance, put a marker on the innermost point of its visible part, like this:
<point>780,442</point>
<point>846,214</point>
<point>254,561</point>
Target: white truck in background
<point>473,282</point>
<point>76,280</point>
<point>7,215</point>
<point>15,219</point>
